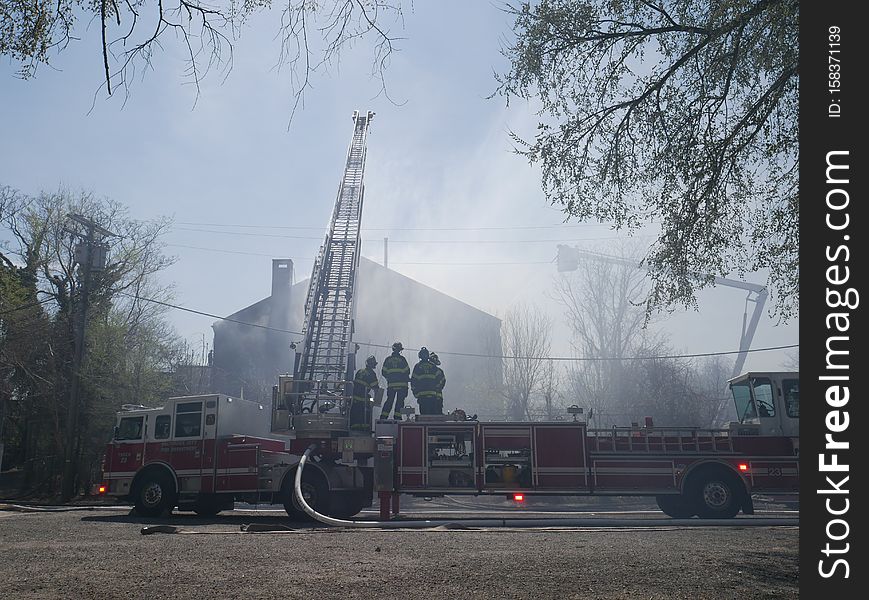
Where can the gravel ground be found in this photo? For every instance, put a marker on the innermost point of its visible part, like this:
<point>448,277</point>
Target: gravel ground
<point>100,553</point>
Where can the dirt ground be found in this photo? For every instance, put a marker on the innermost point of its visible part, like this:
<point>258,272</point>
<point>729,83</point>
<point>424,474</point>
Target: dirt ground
<point>101,553</point>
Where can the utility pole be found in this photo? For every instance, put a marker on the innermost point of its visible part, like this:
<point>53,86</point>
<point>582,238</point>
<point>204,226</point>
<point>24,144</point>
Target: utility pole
<point>90,255</point>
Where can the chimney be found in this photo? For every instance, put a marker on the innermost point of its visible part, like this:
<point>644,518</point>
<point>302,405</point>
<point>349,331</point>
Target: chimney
<point>282,277</point>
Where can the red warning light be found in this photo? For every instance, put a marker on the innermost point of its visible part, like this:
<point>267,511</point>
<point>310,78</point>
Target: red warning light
<point>519,497</point>
<point>102,489</point>
<point>743,467</point>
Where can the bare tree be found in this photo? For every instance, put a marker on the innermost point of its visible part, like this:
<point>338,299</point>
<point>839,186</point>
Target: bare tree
<point>525,339</point>
<point>603,304</point>
<point>710,381</point>
<point>792,362</point>
<point>551,398</point>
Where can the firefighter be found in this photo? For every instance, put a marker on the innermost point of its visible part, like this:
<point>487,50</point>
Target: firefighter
<point>423,384</point>
<point>440,382</point>
<point>397,373</point>
<point>363,383</point>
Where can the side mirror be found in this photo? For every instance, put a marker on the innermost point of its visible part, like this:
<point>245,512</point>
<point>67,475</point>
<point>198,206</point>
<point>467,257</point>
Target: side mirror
<point>115,432</point>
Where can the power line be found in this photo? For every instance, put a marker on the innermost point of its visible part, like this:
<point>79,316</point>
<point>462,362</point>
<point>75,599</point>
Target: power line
<point>470,354</point>
<point>205,314</point>
<point>320,227</point>
<point>26,306</point>
<point>601,358</point>
<point>394,241</point>
<point>394,262</point>
<point>228,251</point>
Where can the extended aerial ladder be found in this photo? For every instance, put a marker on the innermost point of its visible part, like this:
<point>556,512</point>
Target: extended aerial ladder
<point>325,363</point>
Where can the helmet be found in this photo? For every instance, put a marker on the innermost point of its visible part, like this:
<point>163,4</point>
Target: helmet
<point>423,353</point>
<point>397,347</point>
<point>434,358</point>
<point>371,362</point>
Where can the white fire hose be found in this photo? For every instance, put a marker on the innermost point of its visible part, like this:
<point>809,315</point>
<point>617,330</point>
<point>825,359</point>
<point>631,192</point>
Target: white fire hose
<point>426,524</point>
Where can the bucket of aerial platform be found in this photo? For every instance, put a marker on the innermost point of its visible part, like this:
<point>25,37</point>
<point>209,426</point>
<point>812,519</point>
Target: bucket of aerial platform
<point>310,409</point>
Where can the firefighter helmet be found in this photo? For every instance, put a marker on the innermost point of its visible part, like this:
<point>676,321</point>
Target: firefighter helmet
<point>434,358</point>
<point>397,347</point>
<point>423,353</point>
<point>371,362</point>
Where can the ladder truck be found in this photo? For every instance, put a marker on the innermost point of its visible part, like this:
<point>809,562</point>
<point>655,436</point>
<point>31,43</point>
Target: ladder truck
<point>204,453</point>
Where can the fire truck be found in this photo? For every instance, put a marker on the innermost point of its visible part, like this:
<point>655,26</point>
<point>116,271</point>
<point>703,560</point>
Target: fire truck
<point>204,453</point>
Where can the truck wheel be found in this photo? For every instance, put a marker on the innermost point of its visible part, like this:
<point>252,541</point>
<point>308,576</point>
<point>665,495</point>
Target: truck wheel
<point>675,506</point>
<point>314,490</point>
<point>209,506</point>
<point>345,506</point>
<point>716,495</point>
<point>155,494</point>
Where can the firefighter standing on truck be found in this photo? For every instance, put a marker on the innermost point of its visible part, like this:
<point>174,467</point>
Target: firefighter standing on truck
<point>360,408</point>
<point>440,383</point>
<point>397,373</point>
<point>423,384</point>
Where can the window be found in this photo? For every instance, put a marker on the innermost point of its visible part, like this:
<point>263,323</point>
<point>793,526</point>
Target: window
<point>162,427</point>
<point>763,396</point>
<point>188,419</point>
<point>130,428</point>
<point>742,399</point>
<point>791,391</point>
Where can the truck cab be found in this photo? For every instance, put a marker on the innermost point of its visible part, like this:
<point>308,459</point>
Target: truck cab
<point>767,403</point>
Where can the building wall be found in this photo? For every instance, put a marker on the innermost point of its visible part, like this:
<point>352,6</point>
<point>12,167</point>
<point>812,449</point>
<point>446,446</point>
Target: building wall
<point>389,307</point>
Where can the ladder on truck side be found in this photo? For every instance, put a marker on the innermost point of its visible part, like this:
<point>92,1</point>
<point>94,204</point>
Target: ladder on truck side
<point>326,363</point>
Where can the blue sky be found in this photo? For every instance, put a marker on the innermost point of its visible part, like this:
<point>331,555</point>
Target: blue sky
<point>440,158</point>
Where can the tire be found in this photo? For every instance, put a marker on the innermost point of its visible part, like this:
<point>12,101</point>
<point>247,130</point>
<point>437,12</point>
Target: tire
<point>315,491</point>
<point>155,494</point>
<point>345,506</point>
<point>209,506</point>
<point>716,494</point>
<point>676,506</point>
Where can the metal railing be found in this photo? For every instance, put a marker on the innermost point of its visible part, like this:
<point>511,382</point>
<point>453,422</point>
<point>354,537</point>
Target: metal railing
<point>665,440</point>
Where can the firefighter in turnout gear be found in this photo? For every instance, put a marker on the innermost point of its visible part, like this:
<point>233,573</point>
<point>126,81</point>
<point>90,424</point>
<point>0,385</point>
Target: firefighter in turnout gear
<point>424,384</point>
<point>397,373</point>
<point>360,408</point>
<point>440,382</point>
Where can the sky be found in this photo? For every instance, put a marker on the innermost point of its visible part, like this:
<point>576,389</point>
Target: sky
<point>244,187</point>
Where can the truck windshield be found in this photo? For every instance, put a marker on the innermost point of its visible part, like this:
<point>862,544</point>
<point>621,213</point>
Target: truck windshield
<point>744,404</point>
<point>130,428</point>
<point>763,396</point>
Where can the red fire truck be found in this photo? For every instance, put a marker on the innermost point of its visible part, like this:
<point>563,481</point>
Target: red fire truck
<point>206,452</point>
